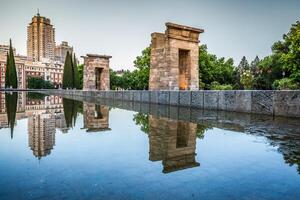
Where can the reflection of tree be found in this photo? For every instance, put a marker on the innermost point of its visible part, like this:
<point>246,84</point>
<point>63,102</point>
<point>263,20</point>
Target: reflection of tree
<point>143,121</point>
<point>201,129</point>
<point>11,100</point>
<point>35,96</point>
<point>71,109</point>
<point>287,141</point>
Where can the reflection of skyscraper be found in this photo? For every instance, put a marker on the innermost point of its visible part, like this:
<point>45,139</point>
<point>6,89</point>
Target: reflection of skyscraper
<point>173,142</point>
<point>60,122</point>
<point>96,117</point>
<point>41,130</point>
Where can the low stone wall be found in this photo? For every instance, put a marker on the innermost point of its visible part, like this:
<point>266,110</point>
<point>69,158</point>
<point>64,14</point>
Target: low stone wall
<point>269,102</point>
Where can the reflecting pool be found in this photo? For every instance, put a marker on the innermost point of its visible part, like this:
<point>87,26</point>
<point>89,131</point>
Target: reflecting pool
<point>59,148</point>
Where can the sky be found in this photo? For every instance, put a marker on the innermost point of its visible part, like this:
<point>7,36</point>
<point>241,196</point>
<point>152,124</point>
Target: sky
<point>123,28</point>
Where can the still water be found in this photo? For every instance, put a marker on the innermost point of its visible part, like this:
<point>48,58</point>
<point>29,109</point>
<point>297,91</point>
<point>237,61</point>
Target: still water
<point>56,148</point>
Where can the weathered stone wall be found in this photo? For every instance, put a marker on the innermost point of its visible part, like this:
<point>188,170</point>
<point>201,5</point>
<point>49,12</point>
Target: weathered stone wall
<point>275,103</point>
<point>174,59</point>
<point>92,63</point>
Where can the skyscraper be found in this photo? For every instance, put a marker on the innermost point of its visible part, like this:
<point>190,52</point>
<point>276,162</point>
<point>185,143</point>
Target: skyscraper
<point>61,51</point>
<point>40,39</point>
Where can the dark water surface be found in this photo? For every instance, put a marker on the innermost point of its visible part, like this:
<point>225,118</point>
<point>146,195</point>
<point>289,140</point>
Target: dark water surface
<point>56,148</point>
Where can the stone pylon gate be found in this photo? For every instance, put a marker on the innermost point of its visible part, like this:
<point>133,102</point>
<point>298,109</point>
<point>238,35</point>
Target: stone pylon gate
<point>96,72</point>
<point>174,58</point>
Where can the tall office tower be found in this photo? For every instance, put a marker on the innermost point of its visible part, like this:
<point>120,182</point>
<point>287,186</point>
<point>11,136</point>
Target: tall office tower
<point>40,39</point>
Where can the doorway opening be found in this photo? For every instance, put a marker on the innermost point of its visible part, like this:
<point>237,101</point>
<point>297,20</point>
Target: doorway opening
<point>184,69</point>
<point>98,73</point>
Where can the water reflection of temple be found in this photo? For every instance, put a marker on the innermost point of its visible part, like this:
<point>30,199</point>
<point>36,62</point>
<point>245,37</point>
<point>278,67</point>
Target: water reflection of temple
<point>41,131</point>
<point>96,117</point>
<point>173,142</point>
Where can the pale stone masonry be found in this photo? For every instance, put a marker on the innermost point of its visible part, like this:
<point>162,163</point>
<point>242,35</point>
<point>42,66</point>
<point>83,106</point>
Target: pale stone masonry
<point>96,72</point>
<point>174,58</point>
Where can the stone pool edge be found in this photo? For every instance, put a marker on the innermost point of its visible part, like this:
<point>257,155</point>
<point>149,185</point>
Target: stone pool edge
<point>269,102</point>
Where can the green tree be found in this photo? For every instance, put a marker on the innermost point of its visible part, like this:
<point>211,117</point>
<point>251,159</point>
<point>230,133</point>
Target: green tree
<point>67,74</point>
<point>80,75</point>
<point>39,83</point>
<point>254,65</point>
<point>213,69</point>
<point>76,79</point>
<point>138,79</point>
<point>288,50</point>
<point>11,80</point>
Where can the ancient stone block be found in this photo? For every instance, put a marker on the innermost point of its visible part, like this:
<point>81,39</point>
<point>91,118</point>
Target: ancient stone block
<point>127,95</point>
<point>287,103</point>
<point>174,97</point>
<point>243,101</point>
<point>145,96</point>
<point>197,99</point>
<point>163,97</point>
<point>185,98</point>
<point>262,102</point>
<point>118,95</point>
<point>96,72</point>
<point>136,95</point>
<point>109,94</point>
<point>154,96</point>
<point>101,94</point>
<point>211,99</point>
<point>227,100</point>
<point>174,58</point>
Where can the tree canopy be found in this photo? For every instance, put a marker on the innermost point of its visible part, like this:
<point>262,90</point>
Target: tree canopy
<point>71,79</point>
<point>11,80</point>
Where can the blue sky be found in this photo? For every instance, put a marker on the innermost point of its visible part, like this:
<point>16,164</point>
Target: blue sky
<point>122,28</point>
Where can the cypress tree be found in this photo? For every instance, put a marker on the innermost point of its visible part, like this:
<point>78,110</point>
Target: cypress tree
<point>7,77</point>
<point>14,78</point>
<point>11,79</point>
<point>68,75</point>
<point>75,74</point>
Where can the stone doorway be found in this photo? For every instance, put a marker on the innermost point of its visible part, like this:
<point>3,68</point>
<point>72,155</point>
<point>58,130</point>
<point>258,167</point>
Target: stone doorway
<point>184,69</point>
<point>98,73</point>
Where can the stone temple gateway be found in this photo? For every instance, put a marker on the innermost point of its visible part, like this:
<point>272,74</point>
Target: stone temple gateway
<point>174,58</point>
<point>96,72</point>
